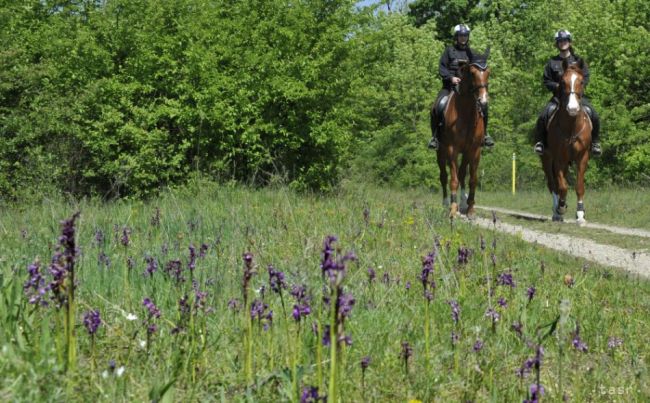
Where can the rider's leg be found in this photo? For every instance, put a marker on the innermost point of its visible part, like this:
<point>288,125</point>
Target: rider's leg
<point>487,140</point>
<point>436,119</point>
<point>595,130</point>
<point>540,127</point>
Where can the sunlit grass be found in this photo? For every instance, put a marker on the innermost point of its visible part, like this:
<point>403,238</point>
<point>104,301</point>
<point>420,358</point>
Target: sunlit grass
<point>615,206</point>
<point>207,361</point>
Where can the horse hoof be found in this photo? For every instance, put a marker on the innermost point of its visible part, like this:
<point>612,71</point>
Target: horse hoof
<point>453,210</point>
<point>581,222</point>
<point>471,214</point>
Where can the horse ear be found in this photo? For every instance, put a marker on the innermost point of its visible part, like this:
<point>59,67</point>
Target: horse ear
<point>565,64</point>
<point>581,63</point>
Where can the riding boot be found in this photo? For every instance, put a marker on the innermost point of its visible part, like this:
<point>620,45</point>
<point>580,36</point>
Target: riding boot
<point>433,143</point>
<point>596,150</point>
<point>540,136</point>
<point>488,141</point>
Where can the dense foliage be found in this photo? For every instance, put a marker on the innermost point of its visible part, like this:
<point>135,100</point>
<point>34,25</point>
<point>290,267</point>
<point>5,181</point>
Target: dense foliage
<point>120,97</point>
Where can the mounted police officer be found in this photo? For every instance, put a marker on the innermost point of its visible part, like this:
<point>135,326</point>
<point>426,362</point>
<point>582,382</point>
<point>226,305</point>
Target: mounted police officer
<point>552,76</point>
<point>449,72</point>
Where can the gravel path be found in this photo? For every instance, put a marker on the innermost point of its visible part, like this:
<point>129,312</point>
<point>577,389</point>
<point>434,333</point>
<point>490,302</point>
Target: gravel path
<point>634,262</point>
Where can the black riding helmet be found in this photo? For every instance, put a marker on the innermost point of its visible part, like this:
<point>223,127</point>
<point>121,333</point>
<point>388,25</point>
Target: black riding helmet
<point>562,35</point>
<point>461,29</point>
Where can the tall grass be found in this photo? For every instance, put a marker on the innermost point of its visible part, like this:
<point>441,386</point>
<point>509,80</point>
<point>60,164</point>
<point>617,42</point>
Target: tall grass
<point>201,346</point>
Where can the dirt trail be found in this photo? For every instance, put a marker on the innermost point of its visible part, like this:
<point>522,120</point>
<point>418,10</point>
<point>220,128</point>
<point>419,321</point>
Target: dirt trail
<point>633,261</point>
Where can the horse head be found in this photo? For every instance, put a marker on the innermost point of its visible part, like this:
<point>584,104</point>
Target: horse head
<point>572,86</point>
<point>479,73</point>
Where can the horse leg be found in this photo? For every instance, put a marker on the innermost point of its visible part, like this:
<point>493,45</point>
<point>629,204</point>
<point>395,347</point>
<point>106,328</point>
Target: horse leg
<point>473,181</point>
<point>547,165</point>
<point>562,189</point>
<point>442,165</point>
<point>580,189</point>
<point>462,173</point>
<point>453,184</point>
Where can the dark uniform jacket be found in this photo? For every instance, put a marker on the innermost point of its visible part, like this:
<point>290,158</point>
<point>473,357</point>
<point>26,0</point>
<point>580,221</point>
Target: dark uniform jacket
<point>553,72</point>
<point>449,63</point>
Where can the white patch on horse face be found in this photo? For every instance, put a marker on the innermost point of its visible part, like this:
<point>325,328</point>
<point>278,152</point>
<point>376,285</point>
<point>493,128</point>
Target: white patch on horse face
<point>574,106</point>
<point>483,98</point>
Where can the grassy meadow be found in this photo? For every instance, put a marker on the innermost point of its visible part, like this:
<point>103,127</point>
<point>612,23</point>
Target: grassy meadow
<point>404,305</point>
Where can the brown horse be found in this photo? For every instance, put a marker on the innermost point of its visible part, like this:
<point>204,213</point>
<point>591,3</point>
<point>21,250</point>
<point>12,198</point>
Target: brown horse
<point>569,141</point>
<point>463,132</point>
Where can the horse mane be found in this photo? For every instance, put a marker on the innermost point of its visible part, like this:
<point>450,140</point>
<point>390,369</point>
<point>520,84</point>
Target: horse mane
<point>479,60</point>
<point>578,65</point>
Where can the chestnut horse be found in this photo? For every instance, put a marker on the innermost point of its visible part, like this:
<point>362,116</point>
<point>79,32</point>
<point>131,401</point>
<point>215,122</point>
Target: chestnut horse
<point>569,142</point>
<point>463,132</point>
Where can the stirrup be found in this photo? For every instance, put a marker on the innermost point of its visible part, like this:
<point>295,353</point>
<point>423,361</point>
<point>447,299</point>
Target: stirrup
<point>595,149</point>
<point>539,148</point>
<point>487,141</point>
<point>433,143</point>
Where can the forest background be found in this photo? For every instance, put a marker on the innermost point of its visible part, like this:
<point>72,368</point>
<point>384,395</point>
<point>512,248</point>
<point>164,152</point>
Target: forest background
<point>120,98</point>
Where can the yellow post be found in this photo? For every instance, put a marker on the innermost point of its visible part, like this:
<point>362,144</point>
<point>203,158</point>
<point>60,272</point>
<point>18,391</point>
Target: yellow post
<point>514,171</point>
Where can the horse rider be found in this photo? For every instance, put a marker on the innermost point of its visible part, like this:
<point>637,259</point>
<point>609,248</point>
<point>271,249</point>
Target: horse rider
<point>449,72</point>
<point>552,77</point>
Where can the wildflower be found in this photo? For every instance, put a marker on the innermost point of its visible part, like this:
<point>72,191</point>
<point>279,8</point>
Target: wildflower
<point>310,395</point>
<point>365,362</point>
<point>506,279</point>
<point>102,258</point>
<point>35,287</point>
<point>478,346</point>
<point>502,302</point>
<point>614,342</point>
<point>531,293</point>
<point>276,280</point>
<point>151,308</point>
<point>455,310</point>
<point>99,237</point>
<point>326,336</point>
<point>345,304</point>
<point>234,304</point>
<point>517,328</point>
<point>491,313</point>
<point>578,344</point>
<point>300,311</point>
<point>124,239</point>
<point>175,269</point>
<point>191,265</point>
<point>427,270</point>
<point>407,285</point>
<point>464,255</point>
<point>455,338</point>
<point>92,320</point>
<point>406,353</point>
<point>183,305</point>
<point>371,275</point>
<point>203,250</point>
<point>536,392</point>
<point>257,309</point>
<point>333,269</point>
<point>152,266</point>
<point>249,271</point>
